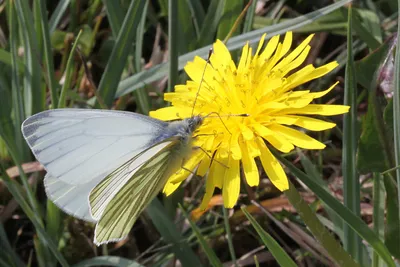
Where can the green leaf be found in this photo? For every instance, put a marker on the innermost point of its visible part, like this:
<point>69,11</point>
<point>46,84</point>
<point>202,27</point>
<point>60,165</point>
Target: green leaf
<point>276,250</point>
<point>370,149</point>
<point>366,67</point>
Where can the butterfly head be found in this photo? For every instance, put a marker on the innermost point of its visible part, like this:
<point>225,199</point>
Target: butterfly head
<point>193,123</point>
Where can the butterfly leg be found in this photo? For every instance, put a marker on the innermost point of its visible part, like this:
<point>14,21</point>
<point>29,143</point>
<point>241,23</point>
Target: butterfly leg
<point>211,157</point>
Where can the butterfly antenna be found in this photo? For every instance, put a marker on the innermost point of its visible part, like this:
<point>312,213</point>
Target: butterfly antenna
<point>201,81</point>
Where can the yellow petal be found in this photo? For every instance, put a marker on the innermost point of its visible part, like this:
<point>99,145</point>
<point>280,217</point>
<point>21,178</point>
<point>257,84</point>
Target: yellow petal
<point>297,138</point>
<point>269,49</point>
<point>243,57</point>
<point>249,166</point>
<point>234,146</point>
<point>190,164</point>
<point>278,141</point>
<point>165,114</point>
<point>169,188</point>
<point>204,166</point>
<point>260,44</point>
<point>287,120</point>
<point>246,132</point>
<point>272,167</point>
<point>297,51</point>
<point>312,124</point>
<point>316,109</point>
<point>209,191</point>
<point>218,168</point>
<point>322,93</point>
<point>231,188</point>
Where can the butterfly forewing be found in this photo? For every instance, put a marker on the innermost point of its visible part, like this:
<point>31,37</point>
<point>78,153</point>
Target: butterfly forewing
<point>124,208</point>
<point>77,145</point>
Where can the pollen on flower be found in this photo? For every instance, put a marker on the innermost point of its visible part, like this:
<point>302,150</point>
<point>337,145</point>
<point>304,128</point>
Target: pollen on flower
<point>263,85</point>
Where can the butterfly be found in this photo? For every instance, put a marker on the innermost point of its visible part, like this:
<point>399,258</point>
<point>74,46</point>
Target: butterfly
<point>105,166</point>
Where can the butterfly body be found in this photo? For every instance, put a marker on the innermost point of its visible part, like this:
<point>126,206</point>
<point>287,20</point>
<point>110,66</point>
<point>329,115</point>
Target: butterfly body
<point>106,166</point>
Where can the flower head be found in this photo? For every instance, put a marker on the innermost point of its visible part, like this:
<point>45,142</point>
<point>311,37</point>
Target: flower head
<point>262,86</point>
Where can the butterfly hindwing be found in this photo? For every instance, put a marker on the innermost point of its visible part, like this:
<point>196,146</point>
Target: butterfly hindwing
<point>126,205</point>
<point>101,194</point>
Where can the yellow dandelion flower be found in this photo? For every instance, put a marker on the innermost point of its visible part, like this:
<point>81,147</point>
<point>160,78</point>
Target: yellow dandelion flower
<point>262,86</point>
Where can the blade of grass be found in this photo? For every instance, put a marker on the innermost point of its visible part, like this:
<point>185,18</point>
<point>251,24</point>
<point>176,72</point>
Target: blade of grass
<point>145,77</point>
<point>118,58</point>
<point>34,92</point>
<point>321,233</point>
<point>198,14</point>
<point>15,143</point>
<point>68,73</point>
<point>378,214</point>
<point>7,252</point>
<point>343,212</point>
<point>18,106</point>
<point>115,15</point>
<point>173,43</point>
<point>57,14</point>
<point>351,184</point>
<point>5,57</point>
<point>248,21</point>
<point>212,258</point>
<point>276,250</point>
<point>230,14</point>
<point>210,25</point>
<point>166,227</point>
<point>142,98</point>
<point>312,171</point>
<point>186,33</point>
<point>48,55</point>
<point>396,113</point>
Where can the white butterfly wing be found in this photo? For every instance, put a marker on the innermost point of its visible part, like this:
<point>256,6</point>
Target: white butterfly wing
<point>72,199</point>
<point>139,187</point>
<point>79,145</point>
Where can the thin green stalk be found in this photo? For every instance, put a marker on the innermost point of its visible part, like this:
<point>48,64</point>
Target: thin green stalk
<point>48,55</point>
<point>142,98</point>
<point>68,75</point>
<point>173,43</point>
<point>321,233</point>
<point>248,21</point>
<point>229,235</point>
<point>351,184</point>
<point>378,215</point>
<point>396,110</point>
